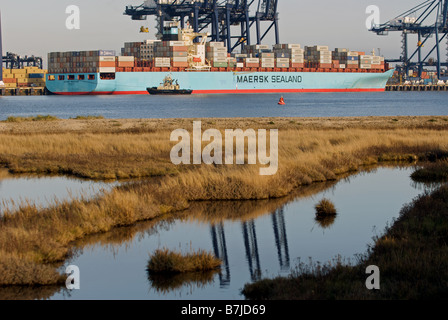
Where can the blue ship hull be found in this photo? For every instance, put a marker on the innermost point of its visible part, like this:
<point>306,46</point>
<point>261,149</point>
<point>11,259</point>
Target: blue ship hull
<point>221,82</point>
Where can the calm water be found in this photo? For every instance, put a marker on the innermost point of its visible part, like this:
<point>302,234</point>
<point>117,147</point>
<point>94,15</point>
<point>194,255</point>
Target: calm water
<point>252,238</point>
<point>254,105</point>
<point>44,190</point>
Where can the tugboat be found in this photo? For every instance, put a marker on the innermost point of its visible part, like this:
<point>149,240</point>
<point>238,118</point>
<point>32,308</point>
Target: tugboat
<point>168,86</point>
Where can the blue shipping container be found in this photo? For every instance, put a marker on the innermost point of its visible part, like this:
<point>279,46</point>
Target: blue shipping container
<point>36,75</point>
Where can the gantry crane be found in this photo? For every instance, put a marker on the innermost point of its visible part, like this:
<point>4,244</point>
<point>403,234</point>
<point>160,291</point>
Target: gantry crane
<point>426,20</point>
<point>14,61</point>
<point>221,16</point>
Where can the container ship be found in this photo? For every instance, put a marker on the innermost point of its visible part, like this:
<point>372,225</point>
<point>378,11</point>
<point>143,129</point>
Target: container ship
<point>203,67</point>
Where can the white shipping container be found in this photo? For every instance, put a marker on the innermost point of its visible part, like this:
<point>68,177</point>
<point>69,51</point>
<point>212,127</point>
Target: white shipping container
<point>282,65</point>
<point>220,59</point>
<point>240,65</point>
<point>107,69</point>
<point>180,59</point>
<point>252,60</point>
<point>297,51</point>
<point>126,58</point>
<point>216,50</point>
<point>217,54</point>
<point>176,43</point>
<point>215,44</point>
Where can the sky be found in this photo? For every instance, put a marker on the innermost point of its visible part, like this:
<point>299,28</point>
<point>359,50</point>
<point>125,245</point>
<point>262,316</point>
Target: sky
<point>38,27</point>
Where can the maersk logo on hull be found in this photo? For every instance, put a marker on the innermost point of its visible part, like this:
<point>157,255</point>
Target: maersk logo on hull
<point>268,79</point>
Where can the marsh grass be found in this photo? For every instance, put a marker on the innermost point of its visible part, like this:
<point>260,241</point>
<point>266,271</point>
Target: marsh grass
<point>172,262</point>
<point>432,172</point>
<point>318,151</point>
<point>325,208</point>
<point>89,117</point>
<point>36,118</point>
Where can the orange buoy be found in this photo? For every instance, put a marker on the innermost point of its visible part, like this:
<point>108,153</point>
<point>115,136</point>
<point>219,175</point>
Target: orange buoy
<point>282,101</point>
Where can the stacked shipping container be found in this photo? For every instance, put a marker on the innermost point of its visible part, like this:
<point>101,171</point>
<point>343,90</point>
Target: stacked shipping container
<point>174,52</point>
<point>26,77</point>
<point>140,56</point>
<point>216,53</point>
<point>82,61</point>
<point>320,56</point>
<point>291,52</point>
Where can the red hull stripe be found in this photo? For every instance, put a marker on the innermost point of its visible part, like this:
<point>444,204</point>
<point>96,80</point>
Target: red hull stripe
<point>231,91</point>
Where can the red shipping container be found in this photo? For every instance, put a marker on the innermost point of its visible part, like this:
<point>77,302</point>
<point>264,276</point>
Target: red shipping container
<point>252,65</point>
<point>9,80</point>
<point>297,65</point>
<point>125,64</point>
<point>180,64</point>
<point>179,49</point>
<point>106,64</point>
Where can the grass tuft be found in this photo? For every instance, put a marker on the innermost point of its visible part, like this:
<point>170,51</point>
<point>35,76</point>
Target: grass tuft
<point>172,262</point>
<point>325,208</point>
